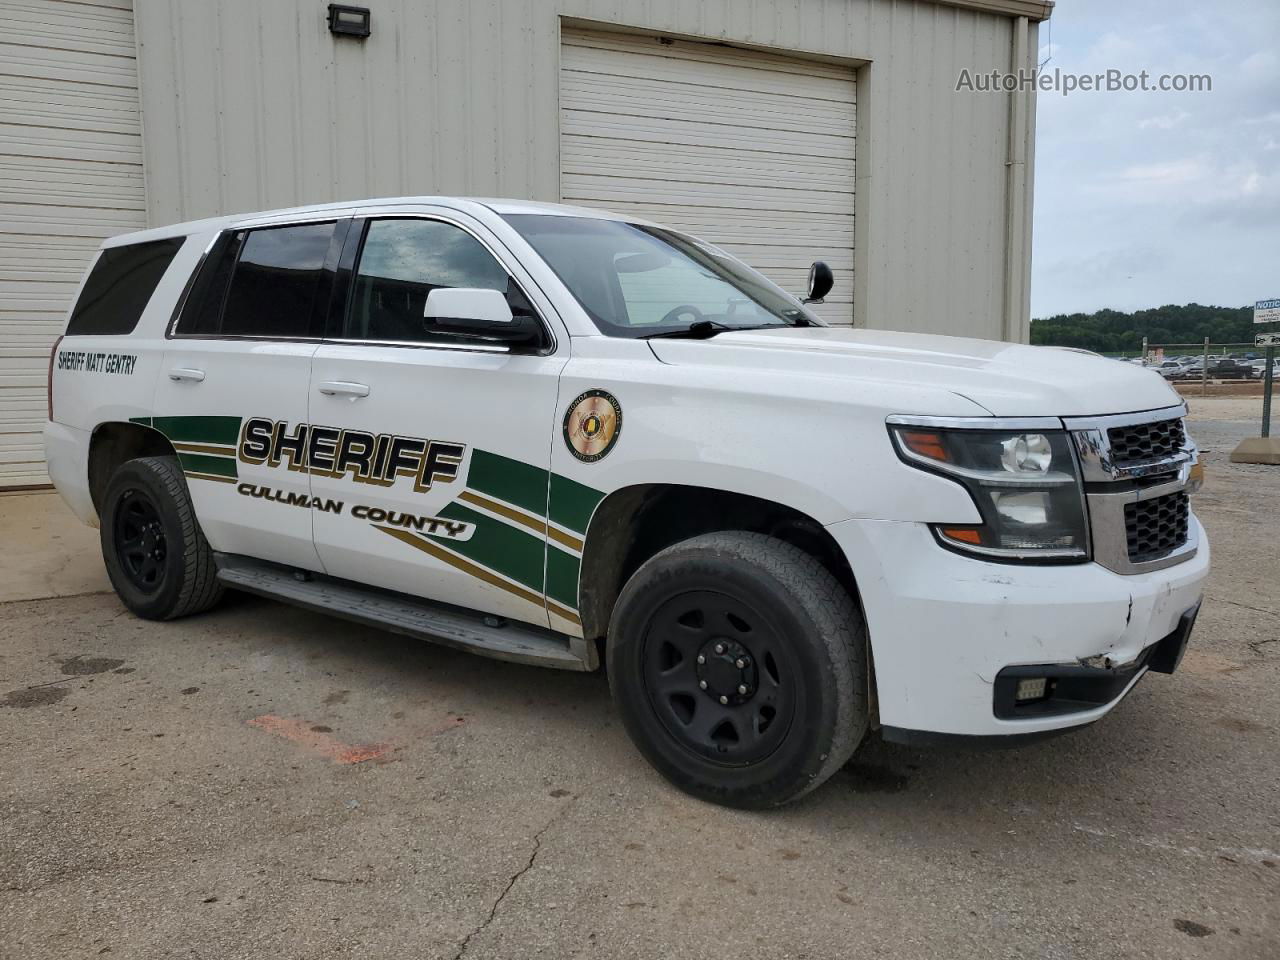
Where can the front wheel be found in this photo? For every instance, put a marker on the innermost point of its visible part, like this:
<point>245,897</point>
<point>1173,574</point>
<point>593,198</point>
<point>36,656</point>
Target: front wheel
<point>156,555</point>
<point>739,667</point>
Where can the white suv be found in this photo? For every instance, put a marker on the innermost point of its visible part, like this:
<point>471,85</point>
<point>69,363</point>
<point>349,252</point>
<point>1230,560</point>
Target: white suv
<point>548,434</point>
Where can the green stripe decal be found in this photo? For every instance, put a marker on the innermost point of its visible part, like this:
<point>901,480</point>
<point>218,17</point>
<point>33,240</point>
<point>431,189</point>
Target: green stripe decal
<point>510,551</point>
<point>509,480</point>
<point>225,430</point>
<point>562,578</point>
<point>204,463</point>
<point>572,503</point>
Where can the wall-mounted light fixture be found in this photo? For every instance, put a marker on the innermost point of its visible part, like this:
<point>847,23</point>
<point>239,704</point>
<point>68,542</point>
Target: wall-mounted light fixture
<point>349,21</point>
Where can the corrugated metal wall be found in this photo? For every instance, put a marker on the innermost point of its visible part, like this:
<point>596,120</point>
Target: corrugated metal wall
<point>249,105</point>
<point>750,151</point>
<point>70,175</point>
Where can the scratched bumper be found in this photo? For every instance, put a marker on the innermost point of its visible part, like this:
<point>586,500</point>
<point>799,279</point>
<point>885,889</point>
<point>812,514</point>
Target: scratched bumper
<point>943,627</point>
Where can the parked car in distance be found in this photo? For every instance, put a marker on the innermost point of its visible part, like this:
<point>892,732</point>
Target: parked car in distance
<point>1228,369</point>
<point>1169,369</point>
<point>1220,368</point>
<point>1259,369</point>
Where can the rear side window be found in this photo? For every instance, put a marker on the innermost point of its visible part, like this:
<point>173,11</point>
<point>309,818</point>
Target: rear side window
<point>120,286</point>
<point>259,283</point>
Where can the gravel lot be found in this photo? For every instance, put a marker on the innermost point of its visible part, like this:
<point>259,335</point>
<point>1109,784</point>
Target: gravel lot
<point>262,782</point>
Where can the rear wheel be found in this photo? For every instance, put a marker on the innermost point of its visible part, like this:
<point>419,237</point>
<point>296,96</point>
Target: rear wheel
<point>739,667</point>
<point>158,560</point>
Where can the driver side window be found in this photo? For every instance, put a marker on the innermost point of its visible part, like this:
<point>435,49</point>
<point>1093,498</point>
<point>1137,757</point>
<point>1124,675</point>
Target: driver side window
<point>401,262</point>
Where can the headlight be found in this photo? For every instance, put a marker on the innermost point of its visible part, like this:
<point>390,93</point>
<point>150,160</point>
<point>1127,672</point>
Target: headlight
<point>1024,483</point>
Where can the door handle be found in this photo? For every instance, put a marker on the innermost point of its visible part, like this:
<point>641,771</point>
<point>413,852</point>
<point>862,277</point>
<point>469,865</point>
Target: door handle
<point>186,373</point>
<point>343,388</point>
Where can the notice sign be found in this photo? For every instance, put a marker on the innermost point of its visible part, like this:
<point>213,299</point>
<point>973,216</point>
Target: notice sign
<point>1266,311</point>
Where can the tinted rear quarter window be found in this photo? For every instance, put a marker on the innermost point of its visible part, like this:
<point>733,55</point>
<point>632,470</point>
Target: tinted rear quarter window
<point>202,312</point>
<point>120,286</point>
<point>259,283</point>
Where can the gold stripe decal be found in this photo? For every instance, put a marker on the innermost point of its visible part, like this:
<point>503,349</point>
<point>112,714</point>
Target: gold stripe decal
<point>466,566</point>
<point>537,524</point>
<point>217,451</point>
<point>564,539</point>
<point>191,474</point>
<point>502,510</point>
<point>564,613</point>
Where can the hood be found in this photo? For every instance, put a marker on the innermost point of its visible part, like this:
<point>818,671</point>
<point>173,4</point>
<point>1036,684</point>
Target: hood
<point>1008,379</point>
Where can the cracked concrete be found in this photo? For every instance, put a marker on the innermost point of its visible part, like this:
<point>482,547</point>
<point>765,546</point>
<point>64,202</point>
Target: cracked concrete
<point>143,814</point>
<point>514,879</point>
<point>1247,606</point>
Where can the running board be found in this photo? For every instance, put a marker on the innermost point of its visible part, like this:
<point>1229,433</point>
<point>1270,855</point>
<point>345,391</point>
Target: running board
<point>411,616</point>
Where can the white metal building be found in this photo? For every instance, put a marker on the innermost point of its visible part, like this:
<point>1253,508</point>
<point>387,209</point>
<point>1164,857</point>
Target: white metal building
<point>784,130</point>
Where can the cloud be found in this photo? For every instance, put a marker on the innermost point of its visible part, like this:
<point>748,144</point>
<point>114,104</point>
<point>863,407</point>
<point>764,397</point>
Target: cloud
<point>1263,66</point>
<point>1170,173</point>
<point>1165,121</point>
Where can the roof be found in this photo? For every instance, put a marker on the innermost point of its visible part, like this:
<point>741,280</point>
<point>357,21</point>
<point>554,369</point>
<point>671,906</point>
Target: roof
<point>504,207</point>
<point>1032,9</point>
<point>499,206</point>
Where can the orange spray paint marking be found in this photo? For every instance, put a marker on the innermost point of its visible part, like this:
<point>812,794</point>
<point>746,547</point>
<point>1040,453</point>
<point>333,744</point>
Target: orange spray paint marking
<point>297,731</point>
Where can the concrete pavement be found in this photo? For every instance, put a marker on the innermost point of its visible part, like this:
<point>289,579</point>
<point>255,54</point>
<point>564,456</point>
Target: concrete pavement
<point>45,551</point>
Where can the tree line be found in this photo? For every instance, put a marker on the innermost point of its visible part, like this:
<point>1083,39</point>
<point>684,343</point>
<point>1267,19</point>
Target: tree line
<point>1113,331</point>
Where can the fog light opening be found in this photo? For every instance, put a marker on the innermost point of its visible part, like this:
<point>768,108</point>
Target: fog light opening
<point>1031,688</point>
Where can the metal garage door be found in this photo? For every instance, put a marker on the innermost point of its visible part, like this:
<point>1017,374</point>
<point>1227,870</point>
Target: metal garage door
<point>751,151</point>
<point>70,175</point>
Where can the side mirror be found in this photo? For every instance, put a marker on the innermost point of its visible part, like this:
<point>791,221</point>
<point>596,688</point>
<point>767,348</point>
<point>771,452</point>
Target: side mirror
<point>479,314</point>
<point>821,280</point>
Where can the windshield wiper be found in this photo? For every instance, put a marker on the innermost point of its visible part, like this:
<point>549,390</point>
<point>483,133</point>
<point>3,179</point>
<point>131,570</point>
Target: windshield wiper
<point>705,329</point>
<point>698,330</point>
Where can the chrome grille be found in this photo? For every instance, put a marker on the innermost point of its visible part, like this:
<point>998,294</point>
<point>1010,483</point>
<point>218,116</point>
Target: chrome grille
<point>1155,528</point>
<point>1146,441</point>
<point>1137,473</point>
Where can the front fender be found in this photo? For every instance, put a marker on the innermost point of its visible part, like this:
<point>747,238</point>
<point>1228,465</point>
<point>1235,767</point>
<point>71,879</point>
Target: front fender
<point>816,444</point>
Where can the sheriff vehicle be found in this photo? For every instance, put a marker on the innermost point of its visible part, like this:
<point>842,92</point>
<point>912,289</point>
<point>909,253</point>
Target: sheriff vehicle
<point>559,436</point>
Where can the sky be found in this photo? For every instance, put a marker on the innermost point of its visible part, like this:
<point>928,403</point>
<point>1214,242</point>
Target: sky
<point>1144,199</point>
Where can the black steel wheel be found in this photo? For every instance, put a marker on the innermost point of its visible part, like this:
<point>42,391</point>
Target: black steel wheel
<point>139,540</point>
<point>719,676</point>
<point>739,667</point>
<point>156,555</point>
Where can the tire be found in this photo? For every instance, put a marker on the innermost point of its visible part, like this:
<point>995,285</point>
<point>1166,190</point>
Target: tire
<point>781,641</point>
<point>157,558</point>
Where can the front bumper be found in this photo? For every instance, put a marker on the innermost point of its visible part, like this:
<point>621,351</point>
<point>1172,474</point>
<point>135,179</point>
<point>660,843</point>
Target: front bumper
<point>946,628</point>
<point>1072,688</point>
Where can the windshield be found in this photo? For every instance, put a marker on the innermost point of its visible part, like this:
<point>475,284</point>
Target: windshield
<point>638,281</point>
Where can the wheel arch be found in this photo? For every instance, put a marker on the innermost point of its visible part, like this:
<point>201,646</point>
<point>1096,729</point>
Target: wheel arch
<point>633,523</point>
<point>115,442</point>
